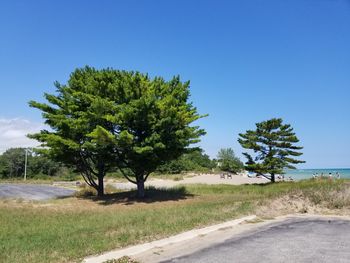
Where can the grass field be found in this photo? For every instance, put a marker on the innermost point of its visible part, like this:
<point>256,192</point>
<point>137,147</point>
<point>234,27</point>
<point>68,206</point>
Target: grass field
<point>69,229</point>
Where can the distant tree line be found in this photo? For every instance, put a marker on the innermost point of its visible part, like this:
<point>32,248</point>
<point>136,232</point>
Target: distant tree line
<point>39,165</point>
<point>197,161</point>
<point>12,165</point>
<point>193,160</point>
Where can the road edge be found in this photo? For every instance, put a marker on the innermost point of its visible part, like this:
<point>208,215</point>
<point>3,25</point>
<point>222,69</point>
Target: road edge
<point>137,249</point>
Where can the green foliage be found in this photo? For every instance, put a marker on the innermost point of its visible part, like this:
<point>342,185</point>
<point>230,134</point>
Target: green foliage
<point>193,160</point>
<point>12,163</point>
<point>85,191</point>
<point>102,119</point>
<point>67,174</point>
<point>227,161</point>
<point>38,166</point>
<point>273,143</point>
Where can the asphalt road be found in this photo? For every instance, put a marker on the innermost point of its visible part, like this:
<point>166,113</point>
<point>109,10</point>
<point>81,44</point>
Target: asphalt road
<point>296,240</point>
<point>33,192</point>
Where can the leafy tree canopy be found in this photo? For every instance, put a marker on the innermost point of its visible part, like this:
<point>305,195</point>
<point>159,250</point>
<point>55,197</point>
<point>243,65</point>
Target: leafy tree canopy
<point>274,146</point>
<point>193,160</point>
<point>102,119</point>
<point>228,161</point>
<point>12,164</point>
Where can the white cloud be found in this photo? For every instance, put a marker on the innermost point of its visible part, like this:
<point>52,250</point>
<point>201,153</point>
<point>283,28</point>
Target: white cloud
<point>13,133</point>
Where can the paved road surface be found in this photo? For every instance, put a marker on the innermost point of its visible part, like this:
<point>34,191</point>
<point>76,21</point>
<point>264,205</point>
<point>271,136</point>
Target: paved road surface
<point>33,192</point>
<point>296,240</point>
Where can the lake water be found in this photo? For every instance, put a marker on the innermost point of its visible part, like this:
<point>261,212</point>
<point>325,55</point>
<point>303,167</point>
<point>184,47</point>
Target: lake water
<point>300,174</point>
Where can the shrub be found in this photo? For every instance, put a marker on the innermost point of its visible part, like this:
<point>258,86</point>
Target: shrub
<point>85,191</point>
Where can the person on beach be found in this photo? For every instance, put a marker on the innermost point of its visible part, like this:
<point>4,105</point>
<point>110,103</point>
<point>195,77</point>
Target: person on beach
<point>330,175</point>
<point>337,175</point>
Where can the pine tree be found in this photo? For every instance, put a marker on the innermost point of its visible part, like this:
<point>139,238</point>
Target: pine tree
<point>274,146</point>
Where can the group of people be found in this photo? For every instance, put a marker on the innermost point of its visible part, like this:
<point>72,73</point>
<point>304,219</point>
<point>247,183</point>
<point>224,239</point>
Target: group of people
<point>322,175</point>
<point>282,178</point>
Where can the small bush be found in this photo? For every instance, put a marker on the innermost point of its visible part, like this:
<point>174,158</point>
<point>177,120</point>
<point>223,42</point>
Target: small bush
<point>88,191</point>
<point>85,191</point>
<point>178,178</point>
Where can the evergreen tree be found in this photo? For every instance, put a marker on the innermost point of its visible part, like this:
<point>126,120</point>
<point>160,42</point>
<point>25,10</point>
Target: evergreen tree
<point>102,119</point>
<point>274,145</point>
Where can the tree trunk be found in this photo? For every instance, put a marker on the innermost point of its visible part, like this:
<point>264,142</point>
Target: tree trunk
<point>100,187</point>
<point>273,178</point>
<point>140,187</point>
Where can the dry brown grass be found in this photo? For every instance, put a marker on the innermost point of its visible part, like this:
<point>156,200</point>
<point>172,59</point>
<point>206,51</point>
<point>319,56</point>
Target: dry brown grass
<point>322,201</point>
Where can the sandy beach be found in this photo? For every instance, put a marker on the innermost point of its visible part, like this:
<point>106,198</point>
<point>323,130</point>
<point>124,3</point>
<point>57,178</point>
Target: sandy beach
<point>236,179</point>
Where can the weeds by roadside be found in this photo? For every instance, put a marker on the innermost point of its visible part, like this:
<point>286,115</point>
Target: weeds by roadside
<point>85,191</point>
<point>122,260</point>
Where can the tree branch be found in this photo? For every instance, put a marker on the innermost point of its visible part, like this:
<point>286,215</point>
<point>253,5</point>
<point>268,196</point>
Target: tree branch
<point>146,177</point>
<point>127,177</point>
<point>89,180</point>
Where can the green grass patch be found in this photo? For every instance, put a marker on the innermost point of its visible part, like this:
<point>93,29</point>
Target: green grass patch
<point>69,229</point>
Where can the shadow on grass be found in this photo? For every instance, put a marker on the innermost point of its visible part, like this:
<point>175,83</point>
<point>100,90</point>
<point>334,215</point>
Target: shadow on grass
<point>152,195</point>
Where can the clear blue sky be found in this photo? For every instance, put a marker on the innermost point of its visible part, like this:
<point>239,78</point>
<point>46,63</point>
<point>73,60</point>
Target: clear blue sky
<point>247,60</point>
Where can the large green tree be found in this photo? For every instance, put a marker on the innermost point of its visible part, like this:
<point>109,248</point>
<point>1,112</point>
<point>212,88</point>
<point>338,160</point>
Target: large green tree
<point>228,161</point>
<point>274,146</point>
<point>102,119</point>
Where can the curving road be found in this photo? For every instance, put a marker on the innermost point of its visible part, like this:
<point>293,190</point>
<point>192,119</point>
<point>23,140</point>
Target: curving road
<point>33,192</point>
<point>296,240</point>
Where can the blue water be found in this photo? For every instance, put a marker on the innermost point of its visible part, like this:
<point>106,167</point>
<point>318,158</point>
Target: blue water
<point>300,174</point>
